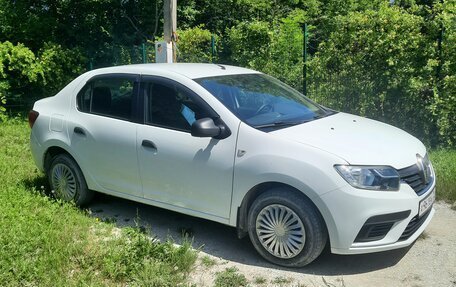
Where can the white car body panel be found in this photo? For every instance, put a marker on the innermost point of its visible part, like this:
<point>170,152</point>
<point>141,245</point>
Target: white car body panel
<point>107,151</point>
<point>300,166</point>
<point>210,178</point>
<point>188,172</point>
<point>369,142</point>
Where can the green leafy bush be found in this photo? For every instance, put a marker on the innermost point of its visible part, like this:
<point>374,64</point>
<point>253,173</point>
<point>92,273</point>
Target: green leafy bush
<point>18,63</point>
<point>18,70</point>
<point>286,61</point>
<point>273,48</point>
<point>378,64</point>
<point>444,106</point>
<point>248,43</point>
<point>194,45</point>
<point>59,66</point>
<point>26,76</point>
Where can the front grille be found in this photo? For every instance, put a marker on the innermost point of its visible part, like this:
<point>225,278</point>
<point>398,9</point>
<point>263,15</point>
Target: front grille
<point>412,175</point>
<point>413,226</point>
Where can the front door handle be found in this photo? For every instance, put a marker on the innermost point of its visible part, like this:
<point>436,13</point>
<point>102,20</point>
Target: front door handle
<point>79,131</point>
<point>148,144</point>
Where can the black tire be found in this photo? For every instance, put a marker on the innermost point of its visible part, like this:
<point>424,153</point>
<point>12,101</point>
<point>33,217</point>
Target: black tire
<point>75,189</point>
<point>315,231</point>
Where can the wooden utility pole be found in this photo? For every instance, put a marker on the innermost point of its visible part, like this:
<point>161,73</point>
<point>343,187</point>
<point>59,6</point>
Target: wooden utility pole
<point>169,27</point>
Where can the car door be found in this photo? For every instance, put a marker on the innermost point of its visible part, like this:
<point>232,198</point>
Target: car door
<point>177,169</point>
<point>103,133</point>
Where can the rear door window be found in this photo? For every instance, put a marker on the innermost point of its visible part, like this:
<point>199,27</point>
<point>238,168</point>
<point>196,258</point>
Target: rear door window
<point>111,96</point>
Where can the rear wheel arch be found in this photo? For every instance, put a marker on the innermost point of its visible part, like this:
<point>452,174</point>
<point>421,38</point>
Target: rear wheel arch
<point>55,151</point>
<point>66,178</point>
<point>51,153</point>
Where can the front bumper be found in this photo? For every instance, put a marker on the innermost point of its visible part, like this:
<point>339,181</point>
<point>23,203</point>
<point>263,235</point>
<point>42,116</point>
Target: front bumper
<point>348,209</point>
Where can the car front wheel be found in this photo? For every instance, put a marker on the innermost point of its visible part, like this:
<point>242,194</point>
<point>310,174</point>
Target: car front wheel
<point>286,229</point>
<point>67,180</point>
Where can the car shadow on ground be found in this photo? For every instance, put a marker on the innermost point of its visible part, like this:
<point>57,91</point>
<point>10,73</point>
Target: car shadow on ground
<point>221,241</point>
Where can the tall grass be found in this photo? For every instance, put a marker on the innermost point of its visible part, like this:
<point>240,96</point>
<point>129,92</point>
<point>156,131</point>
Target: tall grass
<point>44,242</point>
<point>444,162</point>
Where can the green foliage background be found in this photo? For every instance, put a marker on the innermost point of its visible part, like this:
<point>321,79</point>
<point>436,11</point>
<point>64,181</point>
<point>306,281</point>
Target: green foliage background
<point>391,61</point>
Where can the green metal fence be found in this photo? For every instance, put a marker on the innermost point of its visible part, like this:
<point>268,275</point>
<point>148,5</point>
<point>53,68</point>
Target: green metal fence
<point>145,53</point>
<point>120,55</point>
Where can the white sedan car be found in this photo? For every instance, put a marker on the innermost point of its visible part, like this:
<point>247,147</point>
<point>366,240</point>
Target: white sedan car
<point>238,147</point>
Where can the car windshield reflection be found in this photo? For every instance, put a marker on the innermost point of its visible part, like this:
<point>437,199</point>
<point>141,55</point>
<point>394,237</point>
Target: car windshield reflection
<point>262,101</point>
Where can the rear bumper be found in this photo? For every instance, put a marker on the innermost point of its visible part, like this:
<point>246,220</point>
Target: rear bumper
<point>37,152</point>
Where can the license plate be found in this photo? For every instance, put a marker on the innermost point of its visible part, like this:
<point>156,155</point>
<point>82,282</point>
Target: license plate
<point>426,203</point>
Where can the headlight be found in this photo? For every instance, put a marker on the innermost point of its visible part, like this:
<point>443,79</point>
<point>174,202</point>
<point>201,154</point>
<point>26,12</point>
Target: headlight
<point>370,177</point>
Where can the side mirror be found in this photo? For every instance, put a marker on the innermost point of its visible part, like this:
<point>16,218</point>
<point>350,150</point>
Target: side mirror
<point>206,127</point>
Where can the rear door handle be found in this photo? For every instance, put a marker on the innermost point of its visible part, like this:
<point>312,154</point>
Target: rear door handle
<point>79,131</point>
<point>148,144</point>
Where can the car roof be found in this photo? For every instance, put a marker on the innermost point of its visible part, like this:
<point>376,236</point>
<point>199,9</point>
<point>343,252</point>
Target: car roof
<point>190,70</point>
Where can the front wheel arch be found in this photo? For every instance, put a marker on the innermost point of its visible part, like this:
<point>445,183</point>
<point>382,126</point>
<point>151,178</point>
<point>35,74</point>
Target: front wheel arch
<point>254,193</point>
<point>279,218</point>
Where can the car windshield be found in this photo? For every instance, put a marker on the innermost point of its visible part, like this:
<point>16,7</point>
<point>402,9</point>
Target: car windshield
<point>262,101</point>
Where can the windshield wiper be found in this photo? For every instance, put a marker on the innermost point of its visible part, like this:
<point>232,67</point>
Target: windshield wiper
<point>280,124</point>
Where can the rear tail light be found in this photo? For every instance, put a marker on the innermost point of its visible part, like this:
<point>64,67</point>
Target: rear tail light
<point>32,116</point>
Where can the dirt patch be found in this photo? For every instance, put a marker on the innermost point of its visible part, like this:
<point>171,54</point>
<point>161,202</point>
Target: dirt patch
<point>430,261</point>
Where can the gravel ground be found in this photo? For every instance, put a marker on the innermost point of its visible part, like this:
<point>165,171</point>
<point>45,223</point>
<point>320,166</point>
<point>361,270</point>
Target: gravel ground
<point>430,261</point>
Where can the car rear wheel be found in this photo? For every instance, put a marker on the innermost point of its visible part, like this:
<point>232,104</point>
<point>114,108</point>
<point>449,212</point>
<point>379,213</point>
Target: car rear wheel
<point>67,180</point>
<point>286,229</point>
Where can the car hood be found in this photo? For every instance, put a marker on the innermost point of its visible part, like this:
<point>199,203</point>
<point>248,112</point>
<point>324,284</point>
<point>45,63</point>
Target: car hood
<point>357,140</point>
